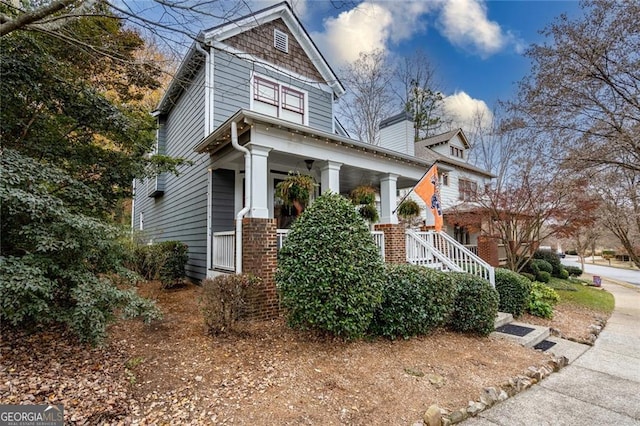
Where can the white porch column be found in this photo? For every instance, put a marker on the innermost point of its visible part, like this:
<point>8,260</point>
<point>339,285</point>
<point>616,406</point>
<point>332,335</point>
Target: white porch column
<point>330,177</point>
<point>259,181</point>
<point>388,198</point>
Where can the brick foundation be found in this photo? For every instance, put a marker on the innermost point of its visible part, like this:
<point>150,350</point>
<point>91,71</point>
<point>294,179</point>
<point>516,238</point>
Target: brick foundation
<point>488,250</point>
<point>259,258</point>
<point>395,246</point>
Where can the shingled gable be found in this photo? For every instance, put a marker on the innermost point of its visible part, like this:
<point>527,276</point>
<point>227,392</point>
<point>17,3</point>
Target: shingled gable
<point>253,35</point>
<point>305,60</point>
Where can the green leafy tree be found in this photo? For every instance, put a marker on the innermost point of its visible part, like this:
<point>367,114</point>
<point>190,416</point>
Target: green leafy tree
<point>74,136</point>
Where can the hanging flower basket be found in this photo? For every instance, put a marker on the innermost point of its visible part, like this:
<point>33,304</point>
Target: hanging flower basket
<point>408,209</point>
<point>295,190</point>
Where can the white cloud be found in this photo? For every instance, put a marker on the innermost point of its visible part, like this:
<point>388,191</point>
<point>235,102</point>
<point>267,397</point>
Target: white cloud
<point>362,29</point>
<point>465,23</point>
<point>465,111</point>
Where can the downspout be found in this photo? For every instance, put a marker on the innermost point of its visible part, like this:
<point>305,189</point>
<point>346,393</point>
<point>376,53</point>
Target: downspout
<point>247,191</point>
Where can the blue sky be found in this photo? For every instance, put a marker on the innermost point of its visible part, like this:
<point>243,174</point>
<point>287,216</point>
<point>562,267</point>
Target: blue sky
<point>476,46</point>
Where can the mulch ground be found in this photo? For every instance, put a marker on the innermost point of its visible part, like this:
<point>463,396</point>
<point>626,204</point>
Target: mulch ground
<point>172,372</point>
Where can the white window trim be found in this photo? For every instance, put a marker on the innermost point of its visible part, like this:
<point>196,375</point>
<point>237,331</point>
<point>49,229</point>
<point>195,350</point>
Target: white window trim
<point>305,115</point>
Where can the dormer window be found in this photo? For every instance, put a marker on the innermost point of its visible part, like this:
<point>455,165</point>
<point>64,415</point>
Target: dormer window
<point>457,152</point>
<point>281,41</point>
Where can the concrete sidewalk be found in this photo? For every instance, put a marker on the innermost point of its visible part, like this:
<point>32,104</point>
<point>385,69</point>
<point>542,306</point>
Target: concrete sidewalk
<point>602,387</point>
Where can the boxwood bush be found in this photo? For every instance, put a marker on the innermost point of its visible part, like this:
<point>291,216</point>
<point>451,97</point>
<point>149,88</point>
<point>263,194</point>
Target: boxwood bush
<point>514,290</point>
<point>543,277</point>
<point>540,265</point>
<point>574,271</point>
<point>415,301</point>
<point>475,305</point>
<point>552,258</point>
<point>330,273</point>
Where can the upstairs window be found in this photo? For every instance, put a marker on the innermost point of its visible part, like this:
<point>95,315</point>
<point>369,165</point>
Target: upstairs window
<point>278,100</point>
<point>457,152</point>
<point>281,41</point>
<point>468,189</point>
<point>444,177</point>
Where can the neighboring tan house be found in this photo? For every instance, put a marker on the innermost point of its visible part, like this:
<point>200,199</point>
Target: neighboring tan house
<point>252,101</point>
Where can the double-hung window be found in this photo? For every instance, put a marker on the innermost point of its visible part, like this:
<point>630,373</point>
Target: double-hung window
<point>468,189</point>
<point>278,100</point>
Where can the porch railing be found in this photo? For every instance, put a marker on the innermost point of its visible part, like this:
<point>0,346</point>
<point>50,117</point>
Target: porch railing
<point>451,254</point>
<point>223,250</point>
<point>378,237</point>
<point>281,235</point>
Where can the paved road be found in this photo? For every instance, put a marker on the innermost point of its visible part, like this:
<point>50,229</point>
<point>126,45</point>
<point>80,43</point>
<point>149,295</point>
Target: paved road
<point>602,387</point>
<point>626,275</point>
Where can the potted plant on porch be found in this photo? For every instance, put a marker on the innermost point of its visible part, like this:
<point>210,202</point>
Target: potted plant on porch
<point>295,190</point>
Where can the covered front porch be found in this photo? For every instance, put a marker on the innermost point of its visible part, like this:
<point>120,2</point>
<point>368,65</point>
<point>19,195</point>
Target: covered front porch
<point>247,163</point>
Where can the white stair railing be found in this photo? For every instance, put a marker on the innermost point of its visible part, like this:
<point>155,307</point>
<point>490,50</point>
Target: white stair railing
<point>421,251</point>
<point>458,254</point>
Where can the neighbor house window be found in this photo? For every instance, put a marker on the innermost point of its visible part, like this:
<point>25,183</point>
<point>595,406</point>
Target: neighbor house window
<point>445,179</point>
<point>468,189</point>
<point>457,152</point>
<point>278,100</point>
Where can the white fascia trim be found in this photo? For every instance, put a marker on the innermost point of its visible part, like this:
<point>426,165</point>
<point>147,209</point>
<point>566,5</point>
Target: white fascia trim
<point>277,68</point>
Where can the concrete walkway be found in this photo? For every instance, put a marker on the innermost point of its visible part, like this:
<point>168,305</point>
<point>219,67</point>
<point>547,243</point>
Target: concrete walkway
<point>602,387</point>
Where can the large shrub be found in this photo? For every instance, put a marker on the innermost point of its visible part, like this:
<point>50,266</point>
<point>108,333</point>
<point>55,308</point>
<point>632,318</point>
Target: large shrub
<point>58,263</point>
<point>475,305</point>
<point>224,299</point>
<point>164,261</point>
<point>415,300</point>
<point>514,291</point>
<point>330,273</point>
<point>552,258</point>
<point>542,300</point>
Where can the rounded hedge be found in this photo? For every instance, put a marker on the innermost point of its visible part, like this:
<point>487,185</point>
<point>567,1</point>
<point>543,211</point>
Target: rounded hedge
<point>552,258</point>
<point>540,265</point>
<point>514,290</point>
<point>573,271</point>
<point>330,273</point>
<point>475,306</point>
<point>543,277</point>
<point>415,301</point>
<point>528,276</point>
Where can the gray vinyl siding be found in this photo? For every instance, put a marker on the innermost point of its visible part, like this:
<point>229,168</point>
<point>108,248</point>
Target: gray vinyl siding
<point>222,200</point>
<point>181,213</point>
<point>232,76</point>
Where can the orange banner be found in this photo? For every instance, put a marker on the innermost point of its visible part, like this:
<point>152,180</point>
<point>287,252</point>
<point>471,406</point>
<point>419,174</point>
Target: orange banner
<point>429,190</point>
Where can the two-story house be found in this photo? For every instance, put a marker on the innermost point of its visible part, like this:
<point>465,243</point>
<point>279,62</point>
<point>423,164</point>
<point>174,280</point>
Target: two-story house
<point>252,101</point>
